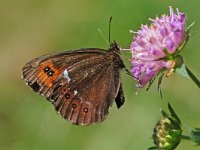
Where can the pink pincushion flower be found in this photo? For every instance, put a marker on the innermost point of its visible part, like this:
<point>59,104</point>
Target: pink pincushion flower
<point>154,46</point>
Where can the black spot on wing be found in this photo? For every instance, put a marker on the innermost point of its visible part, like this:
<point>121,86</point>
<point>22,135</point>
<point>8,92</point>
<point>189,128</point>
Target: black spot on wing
<point>35,86</point>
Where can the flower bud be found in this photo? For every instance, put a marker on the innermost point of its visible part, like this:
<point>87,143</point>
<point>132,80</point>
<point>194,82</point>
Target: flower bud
<point>167,132</point>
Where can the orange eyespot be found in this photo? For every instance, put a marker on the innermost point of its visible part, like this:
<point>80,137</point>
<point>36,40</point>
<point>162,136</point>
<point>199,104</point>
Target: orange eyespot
<point>47,73</point>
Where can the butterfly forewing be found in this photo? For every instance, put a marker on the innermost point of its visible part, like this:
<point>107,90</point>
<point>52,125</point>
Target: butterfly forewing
<point>81,84</point>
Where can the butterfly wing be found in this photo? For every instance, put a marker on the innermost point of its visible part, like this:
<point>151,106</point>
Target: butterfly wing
<point>80,84</point>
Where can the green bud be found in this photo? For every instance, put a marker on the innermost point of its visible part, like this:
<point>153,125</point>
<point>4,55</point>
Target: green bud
<point>167,132</point>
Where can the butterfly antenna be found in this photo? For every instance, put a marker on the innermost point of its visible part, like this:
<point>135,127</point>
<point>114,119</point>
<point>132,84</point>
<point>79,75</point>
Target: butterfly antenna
<point>109,32</point>
<point>101,33</point>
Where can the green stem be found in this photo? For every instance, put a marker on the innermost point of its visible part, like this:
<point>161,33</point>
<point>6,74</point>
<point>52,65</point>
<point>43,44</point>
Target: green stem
<point>186,137</point>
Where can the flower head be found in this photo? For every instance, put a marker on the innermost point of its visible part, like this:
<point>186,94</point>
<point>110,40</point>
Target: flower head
<point>155,47</point>
<point>167,132</point>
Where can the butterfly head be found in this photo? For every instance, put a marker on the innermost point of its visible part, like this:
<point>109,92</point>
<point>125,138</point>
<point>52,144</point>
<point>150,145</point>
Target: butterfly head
<point>114,46</point>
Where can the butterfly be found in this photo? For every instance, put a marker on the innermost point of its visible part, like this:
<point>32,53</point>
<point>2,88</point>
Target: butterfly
<point>81,84</point>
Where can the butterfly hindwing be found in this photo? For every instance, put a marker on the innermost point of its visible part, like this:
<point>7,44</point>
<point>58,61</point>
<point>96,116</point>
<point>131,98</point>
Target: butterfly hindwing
<point>81,84</point>
<point>90,105</point>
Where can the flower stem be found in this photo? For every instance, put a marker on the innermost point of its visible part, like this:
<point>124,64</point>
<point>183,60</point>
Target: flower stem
<point>185,137</point>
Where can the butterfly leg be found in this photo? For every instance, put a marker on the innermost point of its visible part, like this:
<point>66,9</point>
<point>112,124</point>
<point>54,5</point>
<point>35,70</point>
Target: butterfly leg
<point>128,72</point>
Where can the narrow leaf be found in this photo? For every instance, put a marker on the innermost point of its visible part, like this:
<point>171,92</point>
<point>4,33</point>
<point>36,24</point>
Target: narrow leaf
<point>182,71</point>
<point>152,148</point>
<point>193,77</point>
<point>159,84</point>
<point>195,135</point>
<point>173,114</point>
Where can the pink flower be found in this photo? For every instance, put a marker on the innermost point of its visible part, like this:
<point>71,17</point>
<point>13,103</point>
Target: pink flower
<point>155,46</point>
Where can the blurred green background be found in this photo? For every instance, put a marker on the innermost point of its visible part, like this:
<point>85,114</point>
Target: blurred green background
<point>30,28</point>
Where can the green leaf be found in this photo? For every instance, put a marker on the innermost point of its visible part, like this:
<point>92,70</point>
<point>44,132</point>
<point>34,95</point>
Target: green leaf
<point>185,72</point>
<point>195,135</point>
<point>153,79</point>
<point>152,148</point>
<point>174,115</point>
<point>193,77</point>
<point>151,82</point>
<point>159,84</point>
<point>182,71</point>
<point>166,115</point>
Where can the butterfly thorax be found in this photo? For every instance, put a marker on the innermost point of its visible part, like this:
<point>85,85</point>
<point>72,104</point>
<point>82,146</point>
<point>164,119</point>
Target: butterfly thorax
<point>114,55</point>
<point>114,47</point>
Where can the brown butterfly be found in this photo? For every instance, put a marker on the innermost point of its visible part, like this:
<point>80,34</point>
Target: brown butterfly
<point>81,84</point>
